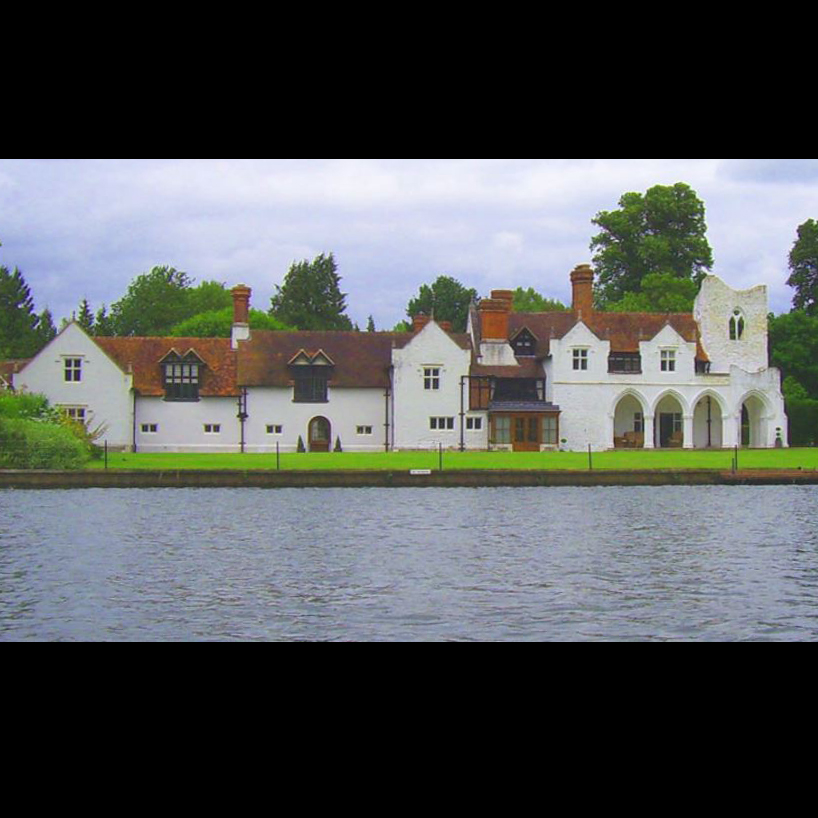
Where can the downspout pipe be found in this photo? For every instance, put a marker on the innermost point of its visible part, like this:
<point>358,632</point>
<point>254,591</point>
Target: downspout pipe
<point>388,411</point>
<point>463,413</point>
<point>243,417</point>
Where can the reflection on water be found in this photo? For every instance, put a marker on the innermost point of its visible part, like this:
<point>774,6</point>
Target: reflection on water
<point>421,564</point>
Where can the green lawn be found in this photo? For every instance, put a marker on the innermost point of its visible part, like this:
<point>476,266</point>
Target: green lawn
<point>404,461</point>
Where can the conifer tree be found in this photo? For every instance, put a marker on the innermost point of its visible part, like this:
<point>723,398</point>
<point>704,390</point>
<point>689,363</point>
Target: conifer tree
<point>19,337</point>
<point>311,297</point>
<point>804,268</point>
<point>46,330</point>
<point>85,318</point>
<point>103,327</point>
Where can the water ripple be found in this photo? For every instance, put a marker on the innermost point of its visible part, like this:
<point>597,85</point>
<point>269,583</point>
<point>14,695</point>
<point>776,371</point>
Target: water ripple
<point>674,564</point>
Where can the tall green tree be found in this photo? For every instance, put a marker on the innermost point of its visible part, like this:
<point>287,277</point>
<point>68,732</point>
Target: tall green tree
<point>219,324</point>
<point>311,297</point>
<point>209,296</point>
<point>804,268</point>
<point>661,292</point>
<point>85,317</point>
<point>46,331</point>
<point>663,231</point>
<point>793,339</point>
<point>155,302</point>
<point>19,336</point>
<point>447,300</point>
<point>103,327</point>
<point>531,301</point>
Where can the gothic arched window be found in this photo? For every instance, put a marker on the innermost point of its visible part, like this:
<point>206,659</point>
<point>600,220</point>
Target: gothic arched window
<point>737,326</point>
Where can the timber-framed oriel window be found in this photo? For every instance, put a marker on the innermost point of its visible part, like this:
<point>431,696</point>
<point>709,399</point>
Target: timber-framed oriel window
<point>311,386</point>
<point>311,373</point>
<point>182,376</point>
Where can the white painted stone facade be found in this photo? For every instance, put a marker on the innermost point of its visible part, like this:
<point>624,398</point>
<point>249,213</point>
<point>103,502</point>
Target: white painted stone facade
<point>427,404</point>
<point>103,391</point>
<point>420,395</point>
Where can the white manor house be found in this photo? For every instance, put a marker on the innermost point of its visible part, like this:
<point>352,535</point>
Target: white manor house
<point>514,381</point>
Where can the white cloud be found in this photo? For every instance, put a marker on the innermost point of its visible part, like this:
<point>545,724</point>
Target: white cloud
<point>86,227</point>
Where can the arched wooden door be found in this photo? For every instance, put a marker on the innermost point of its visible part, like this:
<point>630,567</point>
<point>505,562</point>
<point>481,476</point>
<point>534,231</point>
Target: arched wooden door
<point>320,435</point>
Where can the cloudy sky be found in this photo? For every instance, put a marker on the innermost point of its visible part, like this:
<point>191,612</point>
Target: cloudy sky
<point>85,227</point>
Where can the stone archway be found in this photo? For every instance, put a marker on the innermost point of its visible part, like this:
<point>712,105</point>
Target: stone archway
<point>669,424</point>
<point>754,423</point>
<point>629,423</point>
<point>708,423</point>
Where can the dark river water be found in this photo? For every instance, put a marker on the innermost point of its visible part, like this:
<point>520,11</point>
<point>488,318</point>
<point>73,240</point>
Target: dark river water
<point>600,564</point>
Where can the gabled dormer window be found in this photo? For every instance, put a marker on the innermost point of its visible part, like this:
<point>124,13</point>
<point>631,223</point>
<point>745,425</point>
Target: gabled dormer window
<point>524,344</point>
<point>311,374</point>
<point>182,376</point>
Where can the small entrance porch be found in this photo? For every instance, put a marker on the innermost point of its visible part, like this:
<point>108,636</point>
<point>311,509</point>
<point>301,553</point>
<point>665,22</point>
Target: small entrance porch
<point>525,431</point>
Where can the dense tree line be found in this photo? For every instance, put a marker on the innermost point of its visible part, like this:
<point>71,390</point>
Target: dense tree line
<point>794,339</point>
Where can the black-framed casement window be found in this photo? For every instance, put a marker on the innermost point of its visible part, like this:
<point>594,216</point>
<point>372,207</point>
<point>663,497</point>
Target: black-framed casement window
<point>72,370</point>
<point>182,377</point>
<point>625,363</point>
<point>580,360</point>
<point>311,387</point>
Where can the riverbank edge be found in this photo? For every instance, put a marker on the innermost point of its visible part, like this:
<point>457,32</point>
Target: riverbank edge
<point>116,479</point>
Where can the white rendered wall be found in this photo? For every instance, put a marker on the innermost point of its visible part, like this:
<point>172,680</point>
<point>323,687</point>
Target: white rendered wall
<point>415,406</point>
<point>104,391</point>
<point>589,399</point>
<point>346,410</point>
<point>180,426</point>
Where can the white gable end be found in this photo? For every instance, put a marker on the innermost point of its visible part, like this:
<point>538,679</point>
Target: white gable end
<point>428,389</point>
<point>74,373</point>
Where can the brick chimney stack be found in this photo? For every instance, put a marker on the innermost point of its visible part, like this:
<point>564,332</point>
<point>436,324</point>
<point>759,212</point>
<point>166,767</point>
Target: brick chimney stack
<point>494,315</point>
<point>241,314</point>
<point>582,280</point>
<point>241,304</point>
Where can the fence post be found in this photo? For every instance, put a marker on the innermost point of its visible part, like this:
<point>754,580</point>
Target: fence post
<point>278,456</point>
<point>106,455</point>
<point>440,445</point>
<point>590,458</point>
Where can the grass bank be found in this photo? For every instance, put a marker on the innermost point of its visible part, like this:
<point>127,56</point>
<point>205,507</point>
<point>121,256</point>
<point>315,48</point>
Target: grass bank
<point>630,460</point>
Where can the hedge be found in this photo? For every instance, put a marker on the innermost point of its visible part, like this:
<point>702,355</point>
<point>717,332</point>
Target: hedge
<point>31,444</point>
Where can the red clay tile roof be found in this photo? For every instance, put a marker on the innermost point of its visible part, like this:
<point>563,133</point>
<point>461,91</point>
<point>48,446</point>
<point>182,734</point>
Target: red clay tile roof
<point>142,356</point>
<point>528,369</point>
<point>361,359</point>
<point>9,368</point>
<point>624,330</point>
